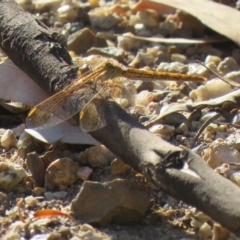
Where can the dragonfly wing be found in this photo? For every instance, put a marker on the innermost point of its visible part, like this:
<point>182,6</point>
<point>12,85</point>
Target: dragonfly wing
<point>64,104</point>
<point>92,116</point>
<point>56,109</point>
<point>92,61</point>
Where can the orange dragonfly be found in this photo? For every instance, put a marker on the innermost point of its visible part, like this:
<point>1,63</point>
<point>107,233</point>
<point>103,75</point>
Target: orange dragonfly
<point>105,79</point>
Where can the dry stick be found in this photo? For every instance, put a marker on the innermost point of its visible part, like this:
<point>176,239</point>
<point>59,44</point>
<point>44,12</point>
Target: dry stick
<point>45,58</point>
<point>228,81</point>
<point>209,192</point>
<point>205,40</point>
<point>157,159</point>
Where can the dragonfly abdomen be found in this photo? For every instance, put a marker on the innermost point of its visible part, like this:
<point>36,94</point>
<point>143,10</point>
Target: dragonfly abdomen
<point>146,75</point>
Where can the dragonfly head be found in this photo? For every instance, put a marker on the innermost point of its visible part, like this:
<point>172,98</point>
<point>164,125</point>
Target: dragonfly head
<point>113,68</point>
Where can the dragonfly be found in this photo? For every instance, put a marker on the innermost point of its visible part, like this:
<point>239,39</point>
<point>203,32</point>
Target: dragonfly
<point>104,79</point>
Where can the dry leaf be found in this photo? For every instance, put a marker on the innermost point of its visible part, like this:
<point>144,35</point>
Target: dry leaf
<point>51,213</point>
<point>212,39</point>
<point>160,8</point>
<point>16,86</point>
<point>221,18</point>
<point>63,132</point>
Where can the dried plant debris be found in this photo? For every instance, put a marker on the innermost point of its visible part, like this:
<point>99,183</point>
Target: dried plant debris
<point>53,189</point>
<point>228,15</point>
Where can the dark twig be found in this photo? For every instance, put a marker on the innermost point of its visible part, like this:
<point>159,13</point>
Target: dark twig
<point>228,81</point>
<point>205,124</point>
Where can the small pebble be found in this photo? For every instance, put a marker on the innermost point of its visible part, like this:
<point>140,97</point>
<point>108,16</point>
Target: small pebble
<point>38,191</point>
<point>84,173</point>
<point>25,140</point>
<point>86,227</point>
<point>59,194</point>
<point>182,128</point>
<point>235,76</point>
<point>104,20</point>
<point>144,98</point>
<point>8,139</point>
<point>228,65</point>
<point>118,166</point>
<point>62,171</point>
<point>11,175</point>
<point>149,18</point>
<point>195,223</point>
<point>127,43</point>
<point>211,89</point>
<point>139,109</point>
<point>48,196</point>
<point>175,57</point>
<point>67,12</point>
<point>175,49</point>
<point>214,59</point>
<point>65,232</point>
<point>31,201</point>
<point>205,231</point>
<point>166,131</point>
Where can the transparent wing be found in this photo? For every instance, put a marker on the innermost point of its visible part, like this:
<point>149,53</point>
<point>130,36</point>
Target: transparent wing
<point>62,105</point>
<point>92,118</point>
<point>120,89</point>
<point>91,63</point>
<point>56,109</point>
